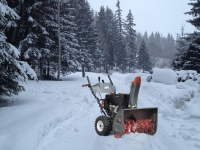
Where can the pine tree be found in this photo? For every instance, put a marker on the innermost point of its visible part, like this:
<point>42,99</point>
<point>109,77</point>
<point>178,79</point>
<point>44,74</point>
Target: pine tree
<point>108,36</point>
<point>12,30</point>
<point>145,37</point>
<point>10,68</point>
<point>31,36</point>
<point>152,45</point>
<point>69,41</point>
<point>119,16</point>
<point>195,12</point>
<point>131,48</point>
<point>192,57</point>
<point>170,46</point>
<point>121,54</point>
<point>86,34</point>
<point>49,13</point>
<point>101,29</point>
<point>139,39</point>
<point>144,61</point>
<point>182,47</point>
<point>98,53</point>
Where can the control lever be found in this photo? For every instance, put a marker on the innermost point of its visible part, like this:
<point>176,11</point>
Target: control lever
<point>99,79</point>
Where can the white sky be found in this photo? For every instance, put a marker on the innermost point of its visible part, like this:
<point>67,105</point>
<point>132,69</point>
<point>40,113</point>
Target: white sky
<point>164,16</point>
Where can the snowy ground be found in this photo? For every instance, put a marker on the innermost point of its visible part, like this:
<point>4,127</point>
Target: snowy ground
<point>60,115</point>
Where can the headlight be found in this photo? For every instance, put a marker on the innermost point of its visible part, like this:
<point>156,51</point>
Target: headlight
<point>106,87</point>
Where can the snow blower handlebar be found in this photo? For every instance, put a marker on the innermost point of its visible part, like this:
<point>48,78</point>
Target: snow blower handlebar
<point>84,85</point>
<point>89,84</point>
<point>110,80</point>
<point>93,93</point>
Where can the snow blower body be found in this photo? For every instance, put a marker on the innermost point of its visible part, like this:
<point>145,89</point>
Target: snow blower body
<point>120,112</point>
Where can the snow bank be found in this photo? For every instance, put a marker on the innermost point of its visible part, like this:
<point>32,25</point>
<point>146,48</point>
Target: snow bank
<point>56,115</point>
<point>166,76</point>
<point>184,75</point>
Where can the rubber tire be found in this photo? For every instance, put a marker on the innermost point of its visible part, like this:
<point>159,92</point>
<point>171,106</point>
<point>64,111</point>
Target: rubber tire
<point>105,121</point>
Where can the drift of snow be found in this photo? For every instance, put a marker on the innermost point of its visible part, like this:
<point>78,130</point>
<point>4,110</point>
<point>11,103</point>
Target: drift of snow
<point>166,76</point>
<point>60,115</point>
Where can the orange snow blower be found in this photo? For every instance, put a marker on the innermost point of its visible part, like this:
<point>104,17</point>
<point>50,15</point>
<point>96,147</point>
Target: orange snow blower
<point>121,114</point>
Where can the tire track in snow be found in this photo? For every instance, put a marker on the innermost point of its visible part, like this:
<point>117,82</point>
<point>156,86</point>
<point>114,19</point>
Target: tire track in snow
<point>68,125</point>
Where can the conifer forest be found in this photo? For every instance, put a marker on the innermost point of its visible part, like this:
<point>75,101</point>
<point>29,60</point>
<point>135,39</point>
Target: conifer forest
<point>46,38</point>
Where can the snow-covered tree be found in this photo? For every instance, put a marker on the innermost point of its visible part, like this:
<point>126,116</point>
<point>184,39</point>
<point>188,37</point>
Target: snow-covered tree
<point>69,41</point>
<point>119,16</point>
<point>131,47</point>
<point>145,37</point>
<point>195,12</point>
<point>192,57</point>
<point>139,38</point>
<point>121,53</point>
<point>144,61</point>
<point>32,36</point>
<point>10,68</point>
<point>86,34</point>
<point>182,47</point>
<point>109,40</point>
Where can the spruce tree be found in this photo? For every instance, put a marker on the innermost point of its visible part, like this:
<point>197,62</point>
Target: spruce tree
<point>86,34</point>
<point>119,16</point>
<point>11,69</point>
<point>144,61</point>
<point>195,12</point>
<point>101,29</point>
<point>30,35</point>
<point>121,54</point>
<point>131,48</point>
<point>69,41</point>
<point>192,57</point>
<point>108,36</point>
<point>181,47</point>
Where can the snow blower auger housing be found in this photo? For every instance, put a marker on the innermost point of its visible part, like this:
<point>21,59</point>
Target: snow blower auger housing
<point>121,114</point>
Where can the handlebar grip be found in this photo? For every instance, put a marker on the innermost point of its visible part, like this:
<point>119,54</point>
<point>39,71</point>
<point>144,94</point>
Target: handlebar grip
<point>84,85</point>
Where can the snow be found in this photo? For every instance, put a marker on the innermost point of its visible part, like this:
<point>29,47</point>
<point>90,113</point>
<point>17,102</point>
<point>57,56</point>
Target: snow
<point>60,115</point>
<point>30,19</point>
<point>2,9</point>
<point>6,10</point>
<point>166,76</point>
<point>188,74</point>
<point>14,51</point>
<point>24,66</point>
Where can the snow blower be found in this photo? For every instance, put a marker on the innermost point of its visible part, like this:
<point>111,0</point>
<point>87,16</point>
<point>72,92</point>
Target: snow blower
<point>120,112</point>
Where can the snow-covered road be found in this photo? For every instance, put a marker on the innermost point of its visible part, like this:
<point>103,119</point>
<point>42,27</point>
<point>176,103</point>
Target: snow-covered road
<point>60,115</point>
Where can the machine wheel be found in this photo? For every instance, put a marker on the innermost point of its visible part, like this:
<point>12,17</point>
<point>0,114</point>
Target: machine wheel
<point>102,126</point>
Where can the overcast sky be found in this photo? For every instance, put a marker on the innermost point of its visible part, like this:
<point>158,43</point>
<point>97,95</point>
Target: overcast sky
<point>164,16</point>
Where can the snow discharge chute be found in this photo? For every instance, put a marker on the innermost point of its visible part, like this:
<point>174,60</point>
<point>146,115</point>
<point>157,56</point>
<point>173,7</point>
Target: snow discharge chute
<point>121,114</point>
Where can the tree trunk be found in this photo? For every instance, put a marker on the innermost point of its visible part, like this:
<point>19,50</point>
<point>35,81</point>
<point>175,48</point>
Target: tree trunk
<point>59,51</point>
<point>83,70</point>
<point>48,70</point>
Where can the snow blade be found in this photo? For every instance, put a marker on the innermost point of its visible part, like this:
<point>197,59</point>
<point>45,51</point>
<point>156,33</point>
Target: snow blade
<point>140,120</point>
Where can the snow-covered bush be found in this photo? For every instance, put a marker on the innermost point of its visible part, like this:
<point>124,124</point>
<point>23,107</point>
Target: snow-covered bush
<point>149,78</point>
<point>166,76</point>
<point>184,75</point>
